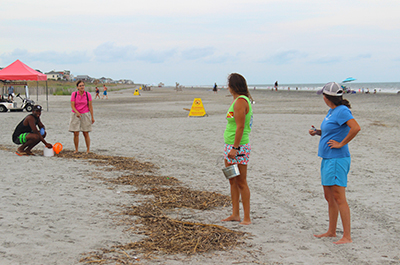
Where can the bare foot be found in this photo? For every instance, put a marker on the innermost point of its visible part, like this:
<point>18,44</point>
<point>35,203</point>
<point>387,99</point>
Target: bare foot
<point>327,234</point>
<point>231,218</point>
<point>343,241</point>
<point>76,151</point>
<point>29,152</point>
<point>245,222</point>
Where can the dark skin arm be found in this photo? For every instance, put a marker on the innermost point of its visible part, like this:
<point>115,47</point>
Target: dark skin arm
<point>31,122</point>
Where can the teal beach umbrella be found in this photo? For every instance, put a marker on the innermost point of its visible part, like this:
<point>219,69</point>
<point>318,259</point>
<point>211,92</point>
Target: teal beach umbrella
<point>349,79</point>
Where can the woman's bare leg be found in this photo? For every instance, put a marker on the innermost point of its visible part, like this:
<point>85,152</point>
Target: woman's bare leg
<point>340,197</point>
<point>333,211</point>
<point>244,193</point>
<point>235,196</point>
<point>76,141</point>
<point>87,141</point>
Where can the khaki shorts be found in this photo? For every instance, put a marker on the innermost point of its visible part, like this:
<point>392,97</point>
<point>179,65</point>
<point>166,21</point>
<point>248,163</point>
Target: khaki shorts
<point>82,124</point>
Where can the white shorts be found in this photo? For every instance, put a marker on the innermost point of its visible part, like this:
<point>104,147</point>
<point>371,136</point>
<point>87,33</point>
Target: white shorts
<point>82,124</point>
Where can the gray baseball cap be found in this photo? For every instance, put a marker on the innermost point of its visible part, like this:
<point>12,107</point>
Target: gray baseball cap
<point>331,89</point>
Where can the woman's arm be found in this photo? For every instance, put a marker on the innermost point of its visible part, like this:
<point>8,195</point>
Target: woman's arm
<point>91,110</point>
<point>74,109</point>
<point>240,110</point>
<point>354,129</point>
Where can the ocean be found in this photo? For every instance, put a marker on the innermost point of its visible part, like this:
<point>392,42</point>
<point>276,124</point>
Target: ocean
<point>389,87</point>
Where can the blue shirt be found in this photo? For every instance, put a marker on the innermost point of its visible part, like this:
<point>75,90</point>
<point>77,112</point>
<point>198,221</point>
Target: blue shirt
<point>334,127</point>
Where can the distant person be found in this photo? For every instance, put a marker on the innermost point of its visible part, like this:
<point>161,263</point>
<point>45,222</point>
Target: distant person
<point>29,132</point>
<point>11,93</point>
<point>215,88</point>
<point>276,86</point>
<point>105,92</point>
<point>81,118</point>
<point>337,129</point>
<point>97,93</point>
<point>237,145</point>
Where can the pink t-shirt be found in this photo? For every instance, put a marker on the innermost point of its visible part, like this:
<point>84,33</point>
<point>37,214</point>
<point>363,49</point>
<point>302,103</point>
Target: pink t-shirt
<point>81,102</point>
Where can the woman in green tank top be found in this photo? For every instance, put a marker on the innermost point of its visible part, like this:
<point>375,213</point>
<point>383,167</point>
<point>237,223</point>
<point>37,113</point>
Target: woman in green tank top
<point>237,145</point>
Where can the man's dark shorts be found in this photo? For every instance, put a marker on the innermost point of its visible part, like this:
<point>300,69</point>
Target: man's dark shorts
<point>21,139</point>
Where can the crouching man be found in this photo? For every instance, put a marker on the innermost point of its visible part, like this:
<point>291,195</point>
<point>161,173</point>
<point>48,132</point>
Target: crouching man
<point>29,132</point>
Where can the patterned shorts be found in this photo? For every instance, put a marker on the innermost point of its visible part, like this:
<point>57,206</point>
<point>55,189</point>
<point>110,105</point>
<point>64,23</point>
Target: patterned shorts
<point>243,149</point>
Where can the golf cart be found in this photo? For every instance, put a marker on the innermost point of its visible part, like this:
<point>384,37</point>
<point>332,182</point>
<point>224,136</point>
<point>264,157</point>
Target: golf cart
<point>12,105</point>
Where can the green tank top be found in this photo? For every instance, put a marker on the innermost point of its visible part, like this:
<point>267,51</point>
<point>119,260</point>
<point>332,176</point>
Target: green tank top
<point>230,131</point>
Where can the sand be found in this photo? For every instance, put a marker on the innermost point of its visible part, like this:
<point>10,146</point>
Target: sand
<point>53,209</point>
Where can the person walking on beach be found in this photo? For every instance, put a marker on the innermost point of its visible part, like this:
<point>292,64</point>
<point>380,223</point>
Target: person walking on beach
<point>27,133</point>
<point>105,92</point>
<point>81,118</point>
<point>215,88</point>
<point>237,145</point>
<point>97,93</point>
<point>276,85</point>
<point>337,129</point>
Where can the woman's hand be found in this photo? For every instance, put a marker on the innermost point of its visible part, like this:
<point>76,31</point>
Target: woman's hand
<point>334,144</point>
<point>354,129</point>
<point>232,154</point>
<point>313,132</point>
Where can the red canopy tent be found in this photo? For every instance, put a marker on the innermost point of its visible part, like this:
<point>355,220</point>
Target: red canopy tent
<point>20,71</point>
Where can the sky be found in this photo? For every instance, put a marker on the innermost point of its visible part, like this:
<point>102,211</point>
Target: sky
<point>202,42</point>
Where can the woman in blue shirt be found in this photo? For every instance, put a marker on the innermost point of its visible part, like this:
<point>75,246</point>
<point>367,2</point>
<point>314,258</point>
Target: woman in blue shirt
<point>337,130</point>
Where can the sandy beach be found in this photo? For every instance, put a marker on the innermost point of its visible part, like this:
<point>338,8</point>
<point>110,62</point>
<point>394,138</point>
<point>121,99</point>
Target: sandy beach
<point>54,209</point>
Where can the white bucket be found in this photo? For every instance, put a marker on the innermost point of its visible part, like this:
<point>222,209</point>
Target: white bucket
<point>48,151</point>
<point>231,171</point>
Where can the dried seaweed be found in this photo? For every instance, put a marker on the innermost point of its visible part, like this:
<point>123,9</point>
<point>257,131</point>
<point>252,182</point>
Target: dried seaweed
<point>179,197</point>
<point>113,162</point>
<point>145,180</point>
<point>171,236</point>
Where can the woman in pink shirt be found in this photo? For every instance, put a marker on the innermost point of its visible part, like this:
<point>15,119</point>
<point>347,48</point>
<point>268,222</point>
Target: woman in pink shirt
<point>81,119</point>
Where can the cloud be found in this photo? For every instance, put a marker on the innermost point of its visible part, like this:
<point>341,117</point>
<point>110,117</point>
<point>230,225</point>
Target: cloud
<point>285,57</point>
<point>197,53</point>
<point>54,57</point>
<point>109,52</point>
<point>218,59</point>
<point>363,56</point>
<point>327,60</point>
<point>156,56</point>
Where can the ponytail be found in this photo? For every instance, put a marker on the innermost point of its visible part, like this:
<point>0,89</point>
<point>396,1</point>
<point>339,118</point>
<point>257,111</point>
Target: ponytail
<point>338,100</point>
<point>345,102</point>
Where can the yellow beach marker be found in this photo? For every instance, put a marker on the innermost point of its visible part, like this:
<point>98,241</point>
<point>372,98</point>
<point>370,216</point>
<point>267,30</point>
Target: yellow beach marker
<point>197,109</point>
<point>136,93</point>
